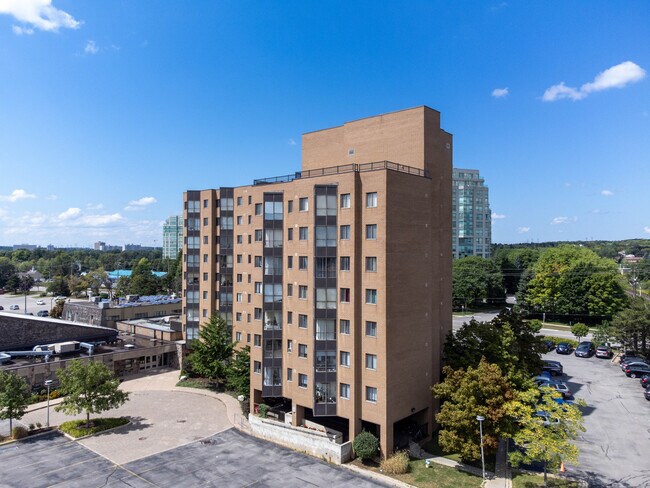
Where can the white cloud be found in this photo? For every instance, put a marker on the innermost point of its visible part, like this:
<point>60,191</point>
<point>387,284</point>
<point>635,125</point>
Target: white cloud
<point>16,195</point>
<point>20,31</point>
<point>523,230</point>
<point>292,142</point>
<point>646,230</point>
<point>39,14</point>
<point>71,213</point>
<point>496,216</point>
<point>140,204</point>
<point>500,92</point>
<point>607,193</point>
<point>618,76</point>
<point>91,48</point>
<point>563,220</point>
<point>100,220</point>
<point>92,206</point>
<point>51,197</point>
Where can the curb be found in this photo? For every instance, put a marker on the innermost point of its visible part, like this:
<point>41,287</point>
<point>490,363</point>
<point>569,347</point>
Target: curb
<point>92,435</point>
<point>376,476</point>
<point>29,437</point>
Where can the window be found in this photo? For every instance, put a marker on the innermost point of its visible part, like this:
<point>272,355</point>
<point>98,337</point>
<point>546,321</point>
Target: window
<point>325,267</point>
<point>238,319</point>
<point>345,358</point>
<point>326,236</point>
<point>258,235</point>
<point>290,206</point>
<point>205,295</point>
<point>290,234</point>
<point>258,287</point>
<point>345,390</point>
<point>345,295</point>
<point>302,262</point>
<point>345,263</point>
<point>257,340</point>
<point>257,367</point>
<point>371,264</point>
<point>272,292</point>
<point>238,336</point>
<point>272,266</point>
<point>289,262</point>
<point>302,292</point>
<point>258,209</point>
<point>226,223</point>
<point>325,330</point>
<point>273,238</point>
<point>344,325</point>
<point>289,317</point>
<point>239,297</point>
<point>371,296</point>
<point>205,204</point>
<point>239,258</point>
<point>302,321</point>
<point>302,380</point>
<point>240,220</point>
<point>371,199</point>
<point>258,314</point>
<point>345,200</point>
<point>289,345</point>
<point>303,204</point>
<point>206,240</point>
<point>205,221</point>
<point>303,233</point>
<point>326,298</point>
<point>239,278</point>
<point>289,374</point>
<point>326,205</point>
<point>273,210</point>
<point>205,276</point>
<point>371,231</point>
<point>302,350</point>
<point>239,201</point>
<point>345,232</point>
<point>258,261</point>
<point>226,204</point>
<point>371,361</point>
<point>250,199</point>
<point>371,329</point>
<point>371,394</point>
<point>289,290</point>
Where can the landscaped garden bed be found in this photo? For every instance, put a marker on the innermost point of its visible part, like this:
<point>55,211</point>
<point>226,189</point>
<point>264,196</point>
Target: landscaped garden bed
<point>77,428</point>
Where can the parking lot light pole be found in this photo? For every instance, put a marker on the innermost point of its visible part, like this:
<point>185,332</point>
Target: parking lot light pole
<point>48,383</point>
<point>480,419</point>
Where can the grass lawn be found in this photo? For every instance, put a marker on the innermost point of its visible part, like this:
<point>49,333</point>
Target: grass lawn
<point>77,428</point>
<point>435,476</point>
<point>432,447</point>
<point>201,383</point>
<point>521,480</point>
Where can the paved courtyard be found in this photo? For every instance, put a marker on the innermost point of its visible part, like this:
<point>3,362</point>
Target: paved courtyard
<point>228,459</point>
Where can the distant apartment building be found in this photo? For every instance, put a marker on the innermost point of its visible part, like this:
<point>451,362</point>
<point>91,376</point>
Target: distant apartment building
<point>471,216</point>
<point>102,246</point>
<point>172,236</point>
<point>26,247</point>
<point>338,276</point>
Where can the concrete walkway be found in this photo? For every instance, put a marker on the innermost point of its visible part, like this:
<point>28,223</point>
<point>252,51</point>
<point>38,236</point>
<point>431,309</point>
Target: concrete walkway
<point>502,477</point>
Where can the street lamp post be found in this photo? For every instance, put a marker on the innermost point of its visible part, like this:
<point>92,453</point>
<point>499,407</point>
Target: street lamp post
<point>48,383</point>
<point>480,419</point>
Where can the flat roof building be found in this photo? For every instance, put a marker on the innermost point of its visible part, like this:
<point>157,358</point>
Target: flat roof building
<point>172,236</point>
<point>337,276</point>
<point>471,215</point>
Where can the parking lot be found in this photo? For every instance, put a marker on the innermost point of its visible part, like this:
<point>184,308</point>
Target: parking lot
<point>615,449</point>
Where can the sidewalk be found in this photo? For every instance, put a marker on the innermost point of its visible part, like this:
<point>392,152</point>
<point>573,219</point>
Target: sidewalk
<point>502,476</point>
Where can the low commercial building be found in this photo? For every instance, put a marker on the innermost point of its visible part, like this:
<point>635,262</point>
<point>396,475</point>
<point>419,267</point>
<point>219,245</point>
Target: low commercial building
<point>107,313</point>
<point>165,328</point>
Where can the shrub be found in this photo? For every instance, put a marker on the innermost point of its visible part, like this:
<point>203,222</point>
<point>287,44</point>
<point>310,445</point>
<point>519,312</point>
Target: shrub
<point>398,463</point>
<point>38,425</point>
<point>30,426</point>
<point>264,410</point>
<point>77,428</point>
<point>557,340</point>
<point>245,407</point>
<point>19,432</point>
<point>54,395</point>
<point>365,445</point>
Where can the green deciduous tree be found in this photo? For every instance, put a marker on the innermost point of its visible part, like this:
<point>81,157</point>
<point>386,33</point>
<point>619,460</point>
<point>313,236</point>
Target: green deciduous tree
<point>548,438</point>
<point>507,341</point>
<point>239,371</point>
<point>483,390</point>
<point>14,397</point>
<point>604,333</point>
<point>7,269</point>
<point>90,388</point>
<point>143,281</point>
<point>212,352</point>
<point>476,279</point>
<point>632,326</point>
<point>579,330</point>
<point>57,309</point>
<point>59,286</point>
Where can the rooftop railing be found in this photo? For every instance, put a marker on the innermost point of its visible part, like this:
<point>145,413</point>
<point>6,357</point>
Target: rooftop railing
<point>345,168</point>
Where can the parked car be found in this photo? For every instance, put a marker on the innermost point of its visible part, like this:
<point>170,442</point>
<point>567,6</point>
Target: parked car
<point>43,313</point>
<point>604,351</point>
<point>647,393</point>
<point>560,388</point>
<point>553,367</point>
<point>585,349</point>
<point>546,419</point>
<point>564,348</point>
<point>550,345</point>
<point>1,307</point>
<point>14,307</point>
<point>645,380</point>
<point>632,359</point>
<point>40,302</point>
<point>636,370</point>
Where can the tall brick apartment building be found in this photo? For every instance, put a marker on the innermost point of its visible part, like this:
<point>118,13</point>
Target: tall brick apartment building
<point>338,276</point>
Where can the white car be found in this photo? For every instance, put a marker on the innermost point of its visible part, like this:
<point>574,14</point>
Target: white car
<point>40,302</point>
<point>14,307</point>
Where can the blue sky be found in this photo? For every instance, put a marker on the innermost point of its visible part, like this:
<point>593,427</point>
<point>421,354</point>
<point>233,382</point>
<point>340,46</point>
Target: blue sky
<point>110,109</point>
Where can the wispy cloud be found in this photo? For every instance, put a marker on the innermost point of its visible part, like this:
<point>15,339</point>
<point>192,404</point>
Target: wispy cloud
<point>292,142</point>
<point>95,206</point>
<point>71,213</point>
<point>496,216</point>
<point>91,48</point>
<point>563,220</point>
<point>523,230</point>
<point>140,203</point>
<point>16,195</point>
<point>618,76</point>
<point>51,197</point>
<point>37,14</point>
<point>500,92</point>
<point>607,193</point>
<point>646,230</point>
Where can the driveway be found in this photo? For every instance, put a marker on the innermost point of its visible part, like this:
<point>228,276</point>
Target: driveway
<point>615,447</point>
